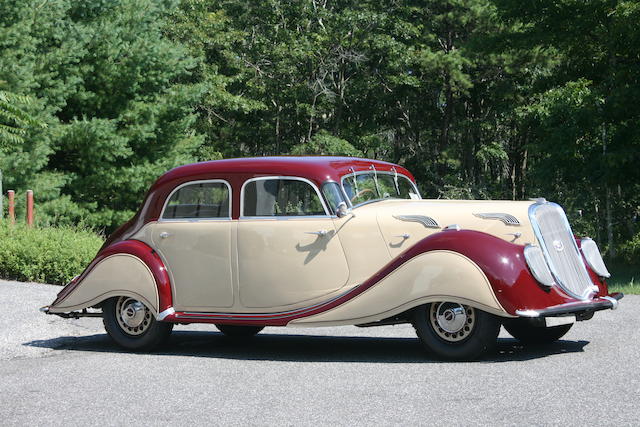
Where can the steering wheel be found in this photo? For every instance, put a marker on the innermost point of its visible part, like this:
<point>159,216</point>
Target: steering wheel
<point>361,193</point>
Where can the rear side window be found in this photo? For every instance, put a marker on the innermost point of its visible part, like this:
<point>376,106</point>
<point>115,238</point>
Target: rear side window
<point>199,200</point>
<point>281,197</point>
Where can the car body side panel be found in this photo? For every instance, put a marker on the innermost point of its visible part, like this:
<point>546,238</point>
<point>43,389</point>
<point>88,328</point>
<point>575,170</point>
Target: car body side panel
<point>282,263</point>
<point>115,275</point>
<point>198,256</point>
<point>432,276</point>
<point>364,248</point>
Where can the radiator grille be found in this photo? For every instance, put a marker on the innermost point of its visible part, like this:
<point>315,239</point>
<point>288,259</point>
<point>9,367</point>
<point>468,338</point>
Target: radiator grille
<point>552,229</point>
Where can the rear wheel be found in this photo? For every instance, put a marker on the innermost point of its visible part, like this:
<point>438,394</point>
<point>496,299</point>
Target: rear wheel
<point>455,331</point>
<point>525,331</point>
<point>132,325</point>
<point>239,331</point>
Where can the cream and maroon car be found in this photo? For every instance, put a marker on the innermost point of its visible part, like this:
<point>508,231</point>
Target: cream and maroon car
<point>317,241</point>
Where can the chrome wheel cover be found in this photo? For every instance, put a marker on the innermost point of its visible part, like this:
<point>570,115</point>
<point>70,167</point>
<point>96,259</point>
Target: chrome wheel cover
<point>134,318</point>
<point>451,321</point>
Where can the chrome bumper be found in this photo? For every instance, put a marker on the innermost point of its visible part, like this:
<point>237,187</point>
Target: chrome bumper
<point>582,309</point>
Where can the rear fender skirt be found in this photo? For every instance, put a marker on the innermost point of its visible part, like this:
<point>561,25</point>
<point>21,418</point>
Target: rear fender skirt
<point>124,250</point>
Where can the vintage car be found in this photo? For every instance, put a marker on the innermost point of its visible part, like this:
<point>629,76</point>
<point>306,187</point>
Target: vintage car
<point>317,241</point>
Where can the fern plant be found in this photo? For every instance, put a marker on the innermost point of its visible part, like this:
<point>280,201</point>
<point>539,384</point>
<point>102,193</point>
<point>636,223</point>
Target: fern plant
<point>13,119</point>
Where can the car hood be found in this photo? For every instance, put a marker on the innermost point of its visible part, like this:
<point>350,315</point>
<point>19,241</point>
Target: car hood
<point>420,218</point>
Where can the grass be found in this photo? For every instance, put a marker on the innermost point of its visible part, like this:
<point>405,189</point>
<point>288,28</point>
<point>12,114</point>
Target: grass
<point>624,278</point>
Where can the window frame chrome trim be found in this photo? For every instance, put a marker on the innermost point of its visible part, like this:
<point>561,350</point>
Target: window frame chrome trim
<point>538,233</point>
<point>354,174</point>
<point>283,217</point>
<point>199,181</point>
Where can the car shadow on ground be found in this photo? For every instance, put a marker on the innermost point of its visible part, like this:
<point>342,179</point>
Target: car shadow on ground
<point>306,348</point>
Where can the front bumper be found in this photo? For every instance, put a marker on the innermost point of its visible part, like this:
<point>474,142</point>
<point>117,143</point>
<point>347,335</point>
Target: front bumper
<point>582,310</point>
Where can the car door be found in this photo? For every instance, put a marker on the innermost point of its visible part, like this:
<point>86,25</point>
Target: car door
<point>194,237</point>
<point>288,251</point>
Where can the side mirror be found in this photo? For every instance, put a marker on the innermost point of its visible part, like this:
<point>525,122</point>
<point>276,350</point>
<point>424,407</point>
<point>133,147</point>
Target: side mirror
<point>342,210</point>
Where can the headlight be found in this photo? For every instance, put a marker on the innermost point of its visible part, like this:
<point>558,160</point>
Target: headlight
<point>593,257</point>
<point>538,266</point>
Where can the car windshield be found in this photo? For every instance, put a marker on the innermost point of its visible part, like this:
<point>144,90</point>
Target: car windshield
<point>369,186</point>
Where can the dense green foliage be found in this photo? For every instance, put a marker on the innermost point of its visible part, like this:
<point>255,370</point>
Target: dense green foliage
<point>479,98</point>
<point>46,255</point>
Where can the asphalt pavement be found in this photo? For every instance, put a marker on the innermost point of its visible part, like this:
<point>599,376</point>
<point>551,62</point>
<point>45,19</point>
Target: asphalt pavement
<point>57,371</point>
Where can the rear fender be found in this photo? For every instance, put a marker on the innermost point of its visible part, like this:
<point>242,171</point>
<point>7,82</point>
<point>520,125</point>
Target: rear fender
<point>127,268</point>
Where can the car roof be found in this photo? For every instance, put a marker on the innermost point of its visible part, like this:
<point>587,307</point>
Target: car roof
<point>314,168</point>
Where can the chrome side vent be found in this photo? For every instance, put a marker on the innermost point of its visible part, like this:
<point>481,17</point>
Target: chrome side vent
<point>427,221</point>
<point>560,250</point>
<point>504,217</point>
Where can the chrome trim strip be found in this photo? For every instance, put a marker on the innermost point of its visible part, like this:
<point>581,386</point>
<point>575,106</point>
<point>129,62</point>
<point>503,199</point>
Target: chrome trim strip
<point>168,312</point>
<point>613,301</point>
<point>201,181</point>
<point>527,313</point>
<point>261,316</point>
<point>427,221</point>
<point>291,178</point>
<point>506,218</point>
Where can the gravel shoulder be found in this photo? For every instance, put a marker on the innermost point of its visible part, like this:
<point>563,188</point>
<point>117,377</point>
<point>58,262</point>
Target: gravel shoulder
<point>60,371</point>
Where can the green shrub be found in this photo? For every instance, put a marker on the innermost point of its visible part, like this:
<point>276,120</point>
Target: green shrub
<point>48,255</point>
<point>630,250</point>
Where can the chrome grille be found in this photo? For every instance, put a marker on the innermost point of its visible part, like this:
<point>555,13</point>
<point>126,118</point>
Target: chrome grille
<point>556,239</point>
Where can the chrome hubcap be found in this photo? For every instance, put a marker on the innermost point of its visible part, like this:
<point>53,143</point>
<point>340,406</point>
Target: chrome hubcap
<point>133,316</point>
<point>452,321</point>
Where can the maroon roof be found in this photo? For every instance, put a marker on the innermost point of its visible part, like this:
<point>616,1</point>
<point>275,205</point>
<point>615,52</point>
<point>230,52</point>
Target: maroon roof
<point>317,169</point>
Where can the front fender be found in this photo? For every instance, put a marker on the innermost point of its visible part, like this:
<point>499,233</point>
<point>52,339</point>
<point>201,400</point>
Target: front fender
<point>438,275</point>
<point>410,279</point>
<point>127,268</point>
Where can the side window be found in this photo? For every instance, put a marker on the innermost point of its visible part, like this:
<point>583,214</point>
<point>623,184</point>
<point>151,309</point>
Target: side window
<point>281,197</point>
<point>199,200</point>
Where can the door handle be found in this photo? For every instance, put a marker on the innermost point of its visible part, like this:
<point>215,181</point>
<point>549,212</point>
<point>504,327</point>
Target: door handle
<point>164,235</point>
<point>405,236</point>
<point>320,233</point>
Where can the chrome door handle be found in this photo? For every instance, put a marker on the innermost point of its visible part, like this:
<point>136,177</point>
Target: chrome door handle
<point>164,235</point>
<point>320,233</point>
<point>405,236</point>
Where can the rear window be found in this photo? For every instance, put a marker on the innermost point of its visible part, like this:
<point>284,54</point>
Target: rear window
<point>199,200</point>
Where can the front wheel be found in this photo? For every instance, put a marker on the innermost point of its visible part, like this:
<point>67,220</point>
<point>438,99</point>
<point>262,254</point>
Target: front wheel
<point>132,325</point>
<point>455,331</point>
<point>527,333</point>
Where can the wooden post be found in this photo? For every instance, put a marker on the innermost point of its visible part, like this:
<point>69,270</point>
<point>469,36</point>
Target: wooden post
<point>30,208</point>
<point>12,207</point>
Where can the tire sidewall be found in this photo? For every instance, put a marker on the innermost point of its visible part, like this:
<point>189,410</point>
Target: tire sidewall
<point>156,333</point>
<point>481,340</point>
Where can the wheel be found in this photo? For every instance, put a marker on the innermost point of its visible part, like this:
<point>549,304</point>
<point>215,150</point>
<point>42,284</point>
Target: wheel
<point>238,331</point>
<point>527,333</point>
<point>132,325</point>
<point>454,331</point>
